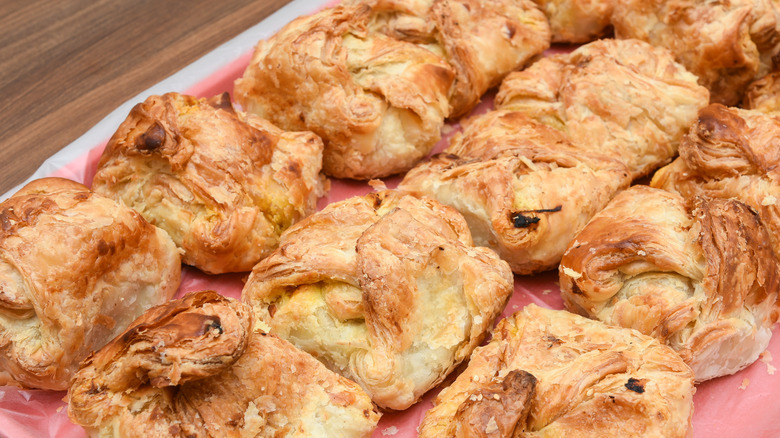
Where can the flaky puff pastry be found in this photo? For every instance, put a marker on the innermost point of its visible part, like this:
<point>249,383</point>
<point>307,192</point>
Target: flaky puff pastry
<point>763,94</point>
<point>550,373</point>
<point>523,187</point>
<point>75,269</point>
<point>483,40</point>
<point>222,183</point>
<point>378,103</point>
<point>577,21</point>
<point>730,153</point>
<point>700,277</point>
<point>195,367</point>
<point>621,98</point>
<point>385,289</point>
<point>726,43</point>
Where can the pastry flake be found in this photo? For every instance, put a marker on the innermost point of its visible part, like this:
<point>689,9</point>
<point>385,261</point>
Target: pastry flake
<point>699,275</point>
<point>222,183</point>
<point>550,373</point>
<point>385,289</point>
<point>621,98</point>
<point>524,188</point>
<point>195,367</point>
<point>75,269</point>
<point>578,21</point>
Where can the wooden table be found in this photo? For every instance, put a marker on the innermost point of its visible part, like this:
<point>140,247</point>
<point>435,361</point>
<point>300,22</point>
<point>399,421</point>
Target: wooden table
<point>65,64</point>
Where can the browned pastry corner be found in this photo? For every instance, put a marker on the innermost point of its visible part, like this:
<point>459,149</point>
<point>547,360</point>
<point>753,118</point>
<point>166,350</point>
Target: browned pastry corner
<point>578,21</point>
<point>194,367</point>
<point>377,79</point>
<point>731,153</point>
<point>550,373</point>
<point>727,44</point>
<point>621,98</point>
<point>222,183</point>
<point>524,188</point>
<point>700,276</point>
<point>75,269</point>
<point>763,94</point>
<point>385,289</point>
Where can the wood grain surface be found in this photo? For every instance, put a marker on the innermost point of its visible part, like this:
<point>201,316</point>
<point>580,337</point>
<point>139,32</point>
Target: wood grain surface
<point>66,64</point>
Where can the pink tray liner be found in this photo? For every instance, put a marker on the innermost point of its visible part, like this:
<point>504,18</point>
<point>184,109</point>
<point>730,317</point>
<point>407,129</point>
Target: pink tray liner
<point>738,405</point>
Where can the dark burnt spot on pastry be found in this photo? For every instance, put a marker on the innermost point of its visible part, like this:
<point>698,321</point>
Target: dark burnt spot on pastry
<point>520,220</point>
<point>294,168</point>
<point>576,289</point>
<point>446,156</point>
<point>8,218</point>
<point>104,247</point>
<point>552,341</point>
<point>636,385</point>
<point>82,196</point>
<point>612,398</point>
<point>215,324</point>
<point>152,139</point>
<point>174,430</point>
<point>272,310</point>
<point>94,389</point>
<point>366,413</point>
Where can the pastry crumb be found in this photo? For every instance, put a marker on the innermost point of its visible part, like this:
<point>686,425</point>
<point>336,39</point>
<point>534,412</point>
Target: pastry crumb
<point>546,291</point>
<point>392,430</point>
<point>571,273</point>
<point>766,357</point>
<point>492,426</point>
<point>745,384</point>
<point>447,129</point>
<point>769,200</point>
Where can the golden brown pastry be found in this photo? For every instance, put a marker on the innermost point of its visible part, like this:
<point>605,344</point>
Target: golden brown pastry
<point>763,94</point>
<point>699,276</point>
<point>727,44</point>
<point>577,21</point>
<point>730,153</point>
<point>621,98</point>
<point>549,373</point>
<point>222,183</point>
<point>483,40</point>
<point>75,269</point>
<point>385,289</point>
<point>194,367</point>
<point>377,79</point>
<point>523,187</point>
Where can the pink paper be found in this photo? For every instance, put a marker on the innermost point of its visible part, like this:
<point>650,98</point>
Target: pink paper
<point>740,405</point>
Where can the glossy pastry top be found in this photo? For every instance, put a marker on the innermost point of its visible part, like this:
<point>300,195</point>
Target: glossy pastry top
<point>385,289</point>
<point>550,373</point>
<point>194,367</point>
<point>75,269</point>
<point>524,188</point>
<point>621,98</point>
<point>222,183</point>
<point>699,275</point>
<point>727,44</point>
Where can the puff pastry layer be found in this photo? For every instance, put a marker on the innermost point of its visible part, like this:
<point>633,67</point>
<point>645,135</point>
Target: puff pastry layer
<point>700,276</point>
<point>385,289</point>
<point>75,269</point>
<point>578,21</point>
<point>524,188</point>
<point>622,98</point>
<point>763,94</point>
<point>195,368</point>
<point>377,79</point>
<point>730,153</point>
<point>222,183</point>
<point>549,373</point>
<point>727,44</point>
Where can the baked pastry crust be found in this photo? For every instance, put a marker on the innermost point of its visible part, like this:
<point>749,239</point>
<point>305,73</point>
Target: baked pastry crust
<point>75,269</point>
<point>378,103</point>
<point>701,278</point>
<point>578,21</point>
<point>523,187</point>
<point>376,79</point>
<point>727,44</point>
<point>354,285</point>
<point>730,153</point>
<point>763,94</point>
<point>483,40</point>
<point>222,183</point>
<point>194,367</point>
<point>550,373</point>
<point>621,98</point>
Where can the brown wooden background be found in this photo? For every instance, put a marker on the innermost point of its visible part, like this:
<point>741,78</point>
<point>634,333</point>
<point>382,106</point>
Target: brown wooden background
<point>66,64</point>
